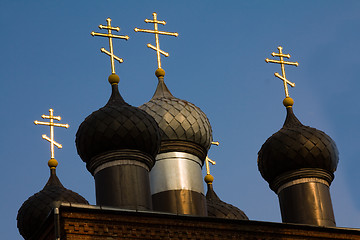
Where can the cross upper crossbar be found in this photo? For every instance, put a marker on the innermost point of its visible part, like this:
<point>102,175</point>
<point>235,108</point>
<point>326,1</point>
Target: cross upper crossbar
<point>51,123</point>
<point>282,63</point>
<point>156,32</point>
<point>110,36</point>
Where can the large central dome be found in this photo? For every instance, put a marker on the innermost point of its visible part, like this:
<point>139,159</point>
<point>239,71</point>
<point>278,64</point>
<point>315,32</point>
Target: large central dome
<point>179,120</point>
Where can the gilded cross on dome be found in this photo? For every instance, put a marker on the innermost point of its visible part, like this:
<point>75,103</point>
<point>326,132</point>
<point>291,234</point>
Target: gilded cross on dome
<point>208,160</point>
<point>282,63</point>
<point>110,36</point>
<point>156,32</point>
<point>51,123</point>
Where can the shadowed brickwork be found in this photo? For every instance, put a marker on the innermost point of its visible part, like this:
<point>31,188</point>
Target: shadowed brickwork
<point>95,223</point>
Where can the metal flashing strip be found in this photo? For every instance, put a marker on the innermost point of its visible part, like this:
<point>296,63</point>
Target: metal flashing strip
<point>302,180</point>
<point>177,155</point>
<point>107,208</point>
<point>120,162</point>
<point>176,171</point>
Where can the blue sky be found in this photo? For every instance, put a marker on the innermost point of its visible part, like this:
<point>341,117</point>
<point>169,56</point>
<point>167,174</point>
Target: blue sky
<point>50,60</point>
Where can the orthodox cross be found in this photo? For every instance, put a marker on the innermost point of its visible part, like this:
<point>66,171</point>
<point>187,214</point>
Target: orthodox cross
<point>51,118</point>
<point>110,36</point>
<point>282,63</point>
<point>156,32</point>
<point>208,160</point>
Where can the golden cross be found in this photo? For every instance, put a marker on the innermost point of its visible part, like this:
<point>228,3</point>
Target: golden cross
<point>52,125</point>
<point>282,63</point>
<point>110,36</point>
<point>156,32</point>
<point>208,160</point>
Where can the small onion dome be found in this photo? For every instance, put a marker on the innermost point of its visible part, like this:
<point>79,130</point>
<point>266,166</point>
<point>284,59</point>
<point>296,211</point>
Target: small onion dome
<point>117,126</point>
<point>219,209</point>
<point>178,119</point>
<point>35,210</point>
<point>296,147</point>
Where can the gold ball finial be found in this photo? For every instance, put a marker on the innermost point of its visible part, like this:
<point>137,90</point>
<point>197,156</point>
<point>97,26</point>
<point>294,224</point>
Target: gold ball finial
<point>52,163</point>
<point>209,179</point>
<point>288,102</point>
<point>114,79</point>
<point>160,72</point>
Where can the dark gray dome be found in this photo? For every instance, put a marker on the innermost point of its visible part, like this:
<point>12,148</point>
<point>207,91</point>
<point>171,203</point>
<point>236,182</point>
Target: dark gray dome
<point>117,126</point>
<point>296,146</point>
<point>178,119</point>
<point>219,209</point>
<point>35,210</point>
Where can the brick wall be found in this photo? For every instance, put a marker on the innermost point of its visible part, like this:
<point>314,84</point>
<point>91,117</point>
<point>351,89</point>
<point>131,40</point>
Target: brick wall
<point>81,223</point>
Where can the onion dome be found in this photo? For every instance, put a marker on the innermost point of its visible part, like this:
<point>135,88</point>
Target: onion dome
<point>35,210</point>
<point>296,147</point>
<point>217,208</point>
<point>178,119</point>
<point>117,126</point>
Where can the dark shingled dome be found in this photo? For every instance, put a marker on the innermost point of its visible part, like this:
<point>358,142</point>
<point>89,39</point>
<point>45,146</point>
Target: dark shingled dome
<point>220,209</point>
<point>178,119</point>
<point>296,146</point>
<point>35,210</point>
<point>117,126</point>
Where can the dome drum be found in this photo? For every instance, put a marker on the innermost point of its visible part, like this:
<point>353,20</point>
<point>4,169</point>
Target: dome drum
<point>180,201</point>
<point>290,178</point>
<point>122,179</point>
<point>120,157</point>
<point>176,170</point>
<point>183,146</point>
<point>306,201</point>
<point>124,186</point>
<point>176,185</point>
